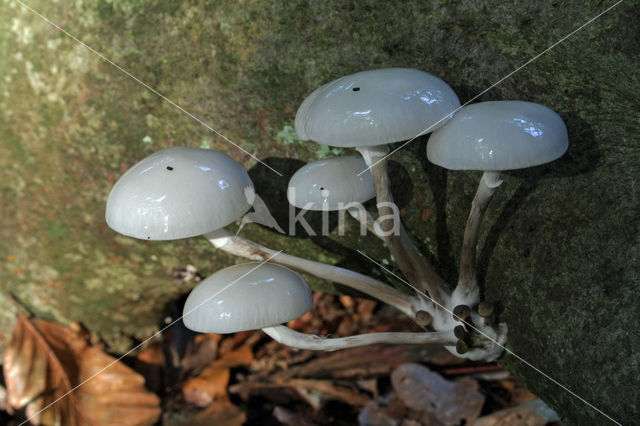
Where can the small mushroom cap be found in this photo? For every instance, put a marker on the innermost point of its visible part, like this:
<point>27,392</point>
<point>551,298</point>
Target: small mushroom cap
<point>499,135</point>
<point>375,107</point>
<point>331,184</point>
<point>178,193</point>
<point>248,296</point>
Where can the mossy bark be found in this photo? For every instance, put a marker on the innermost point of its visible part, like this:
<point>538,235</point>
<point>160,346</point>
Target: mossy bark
<point>558,248</point>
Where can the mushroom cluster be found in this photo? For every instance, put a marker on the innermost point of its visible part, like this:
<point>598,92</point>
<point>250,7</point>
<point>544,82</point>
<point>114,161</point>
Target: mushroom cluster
<point>184,192</point>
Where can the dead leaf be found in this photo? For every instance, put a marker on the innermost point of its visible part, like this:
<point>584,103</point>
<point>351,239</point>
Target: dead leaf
<point>198,356</point>
<point>369,361</point>
<point>116,394</point>
<point>531,413</point>
<point>220,413</point>
<point>35,375</point>
<point>375,414</point>
<point>237,340</point>
<point>287,417</point>
<point>46,360</point>
<point>329,390</point>
<point>241,357</point>
<point>365,309</point>
<point>212,382</point>
<point>450,402</point>
<point>518,393</point>
<point>315,392</point>
<point>348,302</point>
<point>151,364</point>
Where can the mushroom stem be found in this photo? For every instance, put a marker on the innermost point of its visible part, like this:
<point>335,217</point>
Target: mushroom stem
<point>292,338</point>
<point>365,218</point>
<point>467,291</point>
<point>239,246</point>
<point>413,265</point>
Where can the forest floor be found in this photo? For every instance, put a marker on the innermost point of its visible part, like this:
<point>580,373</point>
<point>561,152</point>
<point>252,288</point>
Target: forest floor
<point>184,378</point>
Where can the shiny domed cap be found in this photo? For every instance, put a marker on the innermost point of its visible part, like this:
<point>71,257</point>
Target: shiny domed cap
<point>375,107</point>
<point>499,135</point>
<point>248,296</point>
<point>331,184</point>
<point>178,193</point>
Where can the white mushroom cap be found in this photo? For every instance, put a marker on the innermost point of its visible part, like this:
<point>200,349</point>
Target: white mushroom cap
<point>499,135</point>
<point>327,183</point>
<point>302,114</point>
<point>178,193</point>
<point>248,296</point>
<point>375,107</point>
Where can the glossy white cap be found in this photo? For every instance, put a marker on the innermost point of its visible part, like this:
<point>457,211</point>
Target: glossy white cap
<point>303,112</point>
<point>248,296</point>
<point>327,183</point>
<point>375,107</point>
<point>178,193</point>
<point>499,135</point>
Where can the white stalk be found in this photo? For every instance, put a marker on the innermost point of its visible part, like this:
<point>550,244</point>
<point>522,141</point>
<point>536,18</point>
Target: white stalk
<point>292,338</point>
<point>413,265</point>
<point>239,246</point>
<point>365,218</point>
<point>467,291</point>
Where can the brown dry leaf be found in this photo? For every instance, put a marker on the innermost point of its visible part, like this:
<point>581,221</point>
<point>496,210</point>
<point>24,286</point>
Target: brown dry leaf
<point>348,302</point>
<point>365,309</point>
<point>209,385</point>
<point>517,392</point>
<point>212,382</point>
<point>530,413</point>
<point>200,354</point>
<point>329,390</point>
<point>35,374</point>
<point>46,360</point>
<point>450,402</point>
<point>391,411</point>
<point>151,364</point>
<point>236,340</point>
<point>220,413</point>
<point>116,395</point>
<point>290,418</point>
<point>375,414</point>
<point>367,361</point>
<point>315,392</point>
<point>243,356</point>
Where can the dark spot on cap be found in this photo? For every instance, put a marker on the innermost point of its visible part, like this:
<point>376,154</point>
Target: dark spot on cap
<point>356,89</point>
<point>169,168</point>
<point>321,188</point>
<point>148,238</point>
